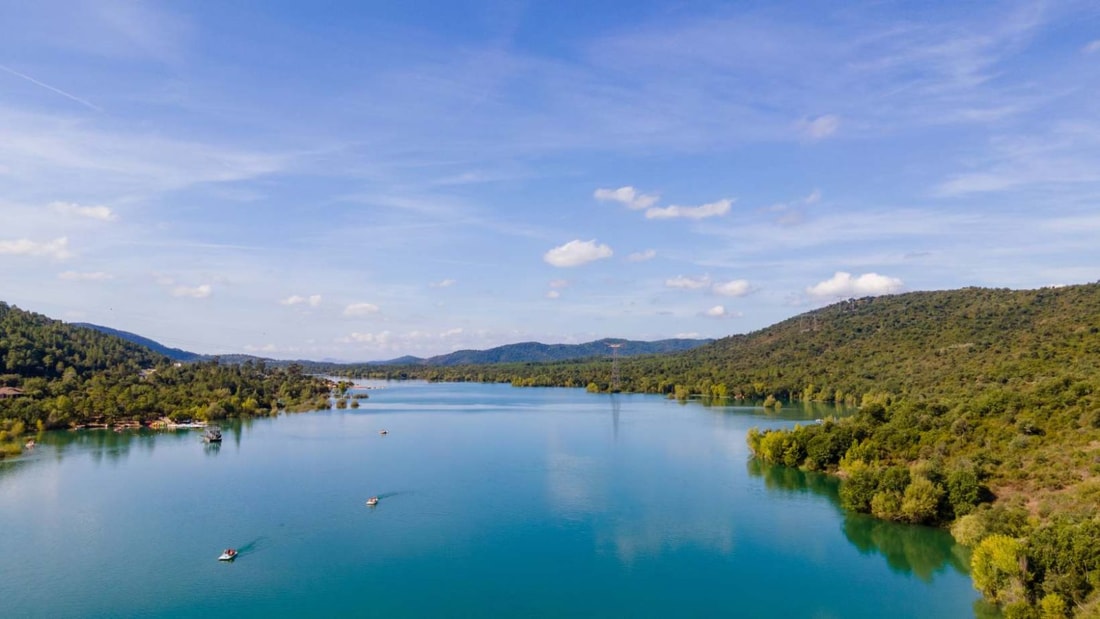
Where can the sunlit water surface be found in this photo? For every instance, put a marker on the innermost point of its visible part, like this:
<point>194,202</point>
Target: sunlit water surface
<point>495,502</point>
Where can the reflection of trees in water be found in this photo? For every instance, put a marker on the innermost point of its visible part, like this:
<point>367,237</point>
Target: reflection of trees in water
<point>11,466</point>
<point>105,445</point>
<point>908,549</point>
<point>796,481</point>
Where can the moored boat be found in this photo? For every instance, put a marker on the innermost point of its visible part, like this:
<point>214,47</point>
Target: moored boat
<point>213,434</point>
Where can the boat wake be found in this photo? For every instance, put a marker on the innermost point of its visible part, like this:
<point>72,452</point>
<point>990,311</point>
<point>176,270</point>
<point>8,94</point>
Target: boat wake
<point>251,547</point>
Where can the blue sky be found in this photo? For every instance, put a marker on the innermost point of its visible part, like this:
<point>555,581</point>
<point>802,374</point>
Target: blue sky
<point>363,180</point>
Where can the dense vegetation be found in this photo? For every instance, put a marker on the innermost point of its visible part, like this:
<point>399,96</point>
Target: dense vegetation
<point>979,409</point>
<point>175,354</point>
<point>68,376</point>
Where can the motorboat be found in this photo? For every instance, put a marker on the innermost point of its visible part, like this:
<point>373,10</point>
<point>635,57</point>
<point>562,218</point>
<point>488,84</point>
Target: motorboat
<point>213,434</point>
<point>228,555</point>
<point>372,501</point>
<point>383,432</point>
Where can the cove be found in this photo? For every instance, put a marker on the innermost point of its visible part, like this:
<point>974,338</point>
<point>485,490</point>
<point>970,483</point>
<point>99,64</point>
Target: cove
<point>494,502</point>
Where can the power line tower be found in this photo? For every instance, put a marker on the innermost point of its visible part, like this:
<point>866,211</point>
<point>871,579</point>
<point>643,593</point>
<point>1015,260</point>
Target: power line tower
<point>615,366</point>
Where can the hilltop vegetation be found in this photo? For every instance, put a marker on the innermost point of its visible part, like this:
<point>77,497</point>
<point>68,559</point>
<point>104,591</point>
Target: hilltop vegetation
<point>175,354</point>
<point>979,409</point>
<point>65,376</point>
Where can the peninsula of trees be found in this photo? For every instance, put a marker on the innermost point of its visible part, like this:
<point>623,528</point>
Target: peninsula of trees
<point>56,375</point>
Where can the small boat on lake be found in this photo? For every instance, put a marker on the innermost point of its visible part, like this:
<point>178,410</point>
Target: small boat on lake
<point>383,432</point>
<point>228,555</point>
<point>213,434</point>
<point>371,502</point>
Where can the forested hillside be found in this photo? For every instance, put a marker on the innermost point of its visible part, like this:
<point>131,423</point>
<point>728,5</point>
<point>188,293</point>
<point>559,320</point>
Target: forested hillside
<point>176,354</point>
<point>57,375</point>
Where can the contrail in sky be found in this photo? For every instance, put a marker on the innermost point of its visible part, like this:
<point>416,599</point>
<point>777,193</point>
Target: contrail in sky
<point>48,87</point>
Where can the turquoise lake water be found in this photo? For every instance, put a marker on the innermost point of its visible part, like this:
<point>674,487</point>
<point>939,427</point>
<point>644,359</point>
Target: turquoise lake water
<point>495,502</point>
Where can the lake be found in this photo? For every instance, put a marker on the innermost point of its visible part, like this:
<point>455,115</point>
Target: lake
<point>494,502</point>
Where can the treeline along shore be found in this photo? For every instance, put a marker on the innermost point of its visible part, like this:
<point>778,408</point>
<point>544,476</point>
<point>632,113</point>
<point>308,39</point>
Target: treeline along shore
<point>977,409</point>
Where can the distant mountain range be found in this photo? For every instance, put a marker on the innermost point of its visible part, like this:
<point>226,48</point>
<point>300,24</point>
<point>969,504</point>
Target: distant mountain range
<point>535,352</point>
<point>524,352</point>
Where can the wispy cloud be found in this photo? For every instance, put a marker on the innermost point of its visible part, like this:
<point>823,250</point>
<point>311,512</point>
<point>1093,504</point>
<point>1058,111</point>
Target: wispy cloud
<point>58,249</point>
<point>628,196</point>
<point>313,300</point>
<point>713,209</point>
<point>819,127</point>
<point>552,294</point>
<point>361,309</point>
<point>844,285</point>
<point>102,213</point>
<point>794,212</point>
<point>577,252</point>
<point>201,291</point>
<point>67,95</point>
<point>1063,154</point>
<point>84,276</point>
<point>446,283</point>
<point>1091,47</point>
<point>642,256</point>
<point>688,283</point>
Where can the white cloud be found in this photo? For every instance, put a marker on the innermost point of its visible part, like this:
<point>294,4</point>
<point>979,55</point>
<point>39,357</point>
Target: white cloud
<point>712,209</point>
<point>1092,47</point>
<point>628,196</point>
<point>84,276</point>
<point>198,292</point>
<point>559,283</point>
<point>688,283</point>
<point>553,294</point>
<point>813,198</point>
<point>446,283</point>
<point>360,309</point>
<point>312,300</point>
<point>58,249</point>
<point>576,253</point>
<point>101,213</point>
<point>691,335</point>
<point>642,256</point>
<point>733,288</point>
<point>974,183</point>
<point>720,311</point>
<point>819,127</point>
<point>844,285</point>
